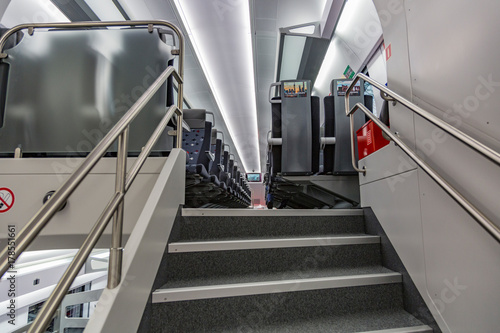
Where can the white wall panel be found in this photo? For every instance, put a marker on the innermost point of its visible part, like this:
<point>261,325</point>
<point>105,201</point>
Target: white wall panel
<point>30,179</point>
<point>462,263</point>
<point>454,63</point>
<point>399,214</point>
<point>377,69</point>
<point>443,59</point>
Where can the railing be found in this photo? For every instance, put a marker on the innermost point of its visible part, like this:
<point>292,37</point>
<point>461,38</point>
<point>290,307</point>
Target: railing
<point>486,223</point>
<point>124,180</point>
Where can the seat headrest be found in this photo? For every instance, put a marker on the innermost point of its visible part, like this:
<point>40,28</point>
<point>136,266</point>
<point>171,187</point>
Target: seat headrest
<point>195,118</point>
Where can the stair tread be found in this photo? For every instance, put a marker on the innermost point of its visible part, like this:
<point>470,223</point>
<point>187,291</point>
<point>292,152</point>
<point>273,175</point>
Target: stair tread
<point>391,320</point>
<point>345,323</point>
<point>278,237</point>
<point>265,277</point>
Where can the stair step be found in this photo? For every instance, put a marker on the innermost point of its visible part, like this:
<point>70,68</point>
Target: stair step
<point>271,287</point>
<point>349,309</point>
<point>351,323</point>
<point>236,263</point>
<point>267,243</point>
<point>413,329</point>
<point>209,224</point>
<point>277,271</point>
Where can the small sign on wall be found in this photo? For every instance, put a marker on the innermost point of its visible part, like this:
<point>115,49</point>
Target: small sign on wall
<point>388,52</point>
<point>6,199</point>
<point>349,73</point>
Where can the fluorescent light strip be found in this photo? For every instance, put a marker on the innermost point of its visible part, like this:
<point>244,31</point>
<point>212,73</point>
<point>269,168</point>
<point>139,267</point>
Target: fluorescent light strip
<point>215,93</point>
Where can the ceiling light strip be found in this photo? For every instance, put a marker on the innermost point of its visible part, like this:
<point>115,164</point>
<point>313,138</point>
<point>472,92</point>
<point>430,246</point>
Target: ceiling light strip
<point>250,74</point>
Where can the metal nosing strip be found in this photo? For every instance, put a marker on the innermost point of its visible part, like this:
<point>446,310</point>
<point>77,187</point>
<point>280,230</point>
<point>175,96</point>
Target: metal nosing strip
<point>193,212</point>
<point>273,243</point>
<point>413,329</point>
<point>272,287</point>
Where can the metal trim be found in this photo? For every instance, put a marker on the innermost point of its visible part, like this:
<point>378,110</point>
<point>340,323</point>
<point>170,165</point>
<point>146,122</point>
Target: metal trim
<point>254,244</point>
<point>414,329</point>
<point>193,212</point>
<point>272,287</point>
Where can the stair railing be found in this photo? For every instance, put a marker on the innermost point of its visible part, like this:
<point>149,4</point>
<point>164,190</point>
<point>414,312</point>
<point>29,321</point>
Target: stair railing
<point>486,223</point>
<point>124,179</point>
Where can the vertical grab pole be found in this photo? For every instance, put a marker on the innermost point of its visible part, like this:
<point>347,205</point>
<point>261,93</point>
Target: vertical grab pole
<point>116,251</point>
<point>353,144</point>
<point>180,96</point>
<point>179,129</point>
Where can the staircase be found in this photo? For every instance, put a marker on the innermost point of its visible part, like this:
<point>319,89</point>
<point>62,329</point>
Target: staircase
<point>277,271</point>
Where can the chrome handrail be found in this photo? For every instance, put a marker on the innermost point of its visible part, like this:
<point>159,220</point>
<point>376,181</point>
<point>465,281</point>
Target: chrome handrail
<point>114,207</point>
<point>486,223</point>
<point>471,142</point>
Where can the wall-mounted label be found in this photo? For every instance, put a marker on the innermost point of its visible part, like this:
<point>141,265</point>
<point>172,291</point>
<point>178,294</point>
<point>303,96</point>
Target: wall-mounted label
<point>388,52</point>
<point>7,199</point>
<point>349,73</point>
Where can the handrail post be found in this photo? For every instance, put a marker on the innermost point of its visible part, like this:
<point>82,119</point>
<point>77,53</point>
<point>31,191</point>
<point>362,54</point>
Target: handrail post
<point>116,251</point>
<point>353,150</point>
<point>351,121</point>
<point>180,91</point>
<point>179,129</point>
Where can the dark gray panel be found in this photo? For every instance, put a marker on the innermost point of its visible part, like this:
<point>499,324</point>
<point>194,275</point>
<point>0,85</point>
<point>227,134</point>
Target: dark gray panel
<point>67,88</point>
<point>312,58</point>
<point>296,132</point>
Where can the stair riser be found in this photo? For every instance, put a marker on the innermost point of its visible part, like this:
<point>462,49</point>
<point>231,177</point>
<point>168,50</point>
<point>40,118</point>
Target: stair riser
<point>249,313</point>
<point>216,227</point>
<point>292,262</point>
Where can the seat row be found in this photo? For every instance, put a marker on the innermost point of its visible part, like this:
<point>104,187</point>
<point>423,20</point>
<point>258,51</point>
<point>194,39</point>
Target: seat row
<point>213,178</point>
<point>299,145</point>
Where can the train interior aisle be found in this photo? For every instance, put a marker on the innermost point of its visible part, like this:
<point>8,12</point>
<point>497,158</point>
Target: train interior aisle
<point>249,166</point>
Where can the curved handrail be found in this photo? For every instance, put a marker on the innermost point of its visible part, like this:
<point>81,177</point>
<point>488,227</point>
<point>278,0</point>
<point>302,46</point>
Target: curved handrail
<point>486,223</point>
<point>114,207</point>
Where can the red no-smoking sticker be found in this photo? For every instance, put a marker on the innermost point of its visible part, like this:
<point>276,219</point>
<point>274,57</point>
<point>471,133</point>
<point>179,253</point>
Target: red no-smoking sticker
<point>7,199</point>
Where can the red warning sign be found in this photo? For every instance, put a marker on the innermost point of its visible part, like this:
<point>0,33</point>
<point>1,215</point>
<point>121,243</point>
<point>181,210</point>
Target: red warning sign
<point>7,199</point>
<point>388,52</point>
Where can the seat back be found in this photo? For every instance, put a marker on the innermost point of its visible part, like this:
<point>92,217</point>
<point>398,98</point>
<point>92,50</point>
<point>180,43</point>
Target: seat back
<point>341,159</point>
<point>295,119</point>
<point>214,170</point>
<point>197,142</point>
